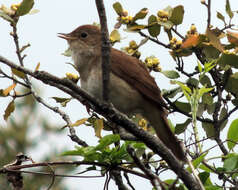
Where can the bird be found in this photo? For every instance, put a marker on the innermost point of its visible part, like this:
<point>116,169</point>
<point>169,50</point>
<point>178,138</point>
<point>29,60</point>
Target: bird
<point>132,89</point>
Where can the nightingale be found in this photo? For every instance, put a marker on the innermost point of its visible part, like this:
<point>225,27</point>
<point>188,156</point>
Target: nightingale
<point>132,89</point>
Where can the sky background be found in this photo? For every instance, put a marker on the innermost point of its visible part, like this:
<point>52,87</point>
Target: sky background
<point>55,16</point>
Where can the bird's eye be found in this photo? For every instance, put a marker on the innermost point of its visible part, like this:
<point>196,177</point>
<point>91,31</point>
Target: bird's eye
<point>83,34</point>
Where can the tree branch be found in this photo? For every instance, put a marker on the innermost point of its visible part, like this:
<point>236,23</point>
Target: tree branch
<point>155,181</point>
<point>106,50</point>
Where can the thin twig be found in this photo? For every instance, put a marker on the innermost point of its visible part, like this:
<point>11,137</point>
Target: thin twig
<point>106,50</point>
<point>118,179</point>
<point>154,40</point>
<point>176,32</point>
<point>208,13</point>
<point>15,80</point>
<point>128,181</point>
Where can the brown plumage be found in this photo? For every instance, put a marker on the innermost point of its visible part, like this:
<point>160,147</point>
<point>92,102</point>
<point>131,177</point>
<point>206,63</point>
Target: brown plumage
<point>132,89</point>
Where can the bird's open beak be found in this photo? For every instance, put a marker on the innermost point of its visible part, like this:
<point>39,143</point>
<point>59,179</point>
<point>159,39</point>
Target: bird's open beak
<point>66,36</point>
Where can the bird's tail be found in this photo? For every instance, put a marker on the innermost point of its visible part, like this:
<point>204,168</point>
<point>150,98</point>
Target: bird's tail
<point>163,131</point>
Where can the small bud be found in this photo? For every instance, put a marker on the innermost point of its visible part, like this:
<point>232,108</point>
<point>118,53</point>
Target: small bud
<point>133,44</point>
<point>130,51</point>
<point>164,19</point>
<point>73,77</point>
<point>193,27</point>
<point>226,52</point>
<point>143,124</point>
<point>14,7</point>
<point>179,42</point>
<point>149,62</point>
<point>173,41</point>
<point>162,14</point>
<point>203,1</point>
<point>7,10</point>
<point>130,18</point>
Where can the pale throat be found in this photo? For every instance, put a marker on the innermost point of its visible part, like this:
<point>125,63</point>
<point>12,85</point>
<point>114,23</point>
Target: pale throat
<point>85,58</point>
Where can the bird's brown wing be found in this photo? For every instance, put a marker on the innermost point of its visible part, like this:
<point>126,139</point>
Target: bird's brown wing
<point>134,72</point>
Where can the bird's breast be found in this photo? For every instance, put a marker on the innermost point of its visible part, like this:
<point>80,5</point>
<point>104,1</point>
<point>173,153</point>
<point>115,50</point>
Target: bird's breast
<point>122,95</point>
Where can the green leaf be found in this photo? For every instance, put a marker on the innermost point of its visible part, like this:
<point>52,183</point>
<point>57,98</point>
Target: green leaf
<point>24,7</point>
<point>231,85</point>
<point>88,153</point>
<point>121,154</point>
<point>204,177</point>
<point>118,8</point>
<point>220,16</point>
<point>181,127</point>
<point>213,187</point>
<point>200,110</point>
<point>141,14</point>
<point>153,26</point>
<point>18,73</point>
<point>192,82</point>
<point>199,67</point>
<point>183,106</point>
<point>34,11</point>
<point>223,114</point>
<point>228,9</point>
<point>9,110</point>
<point>203,90</point>
<point>6,17</point>
<point>205,81</point>
<point>207,99</point>
<point>186,90</point>
<point>177,15</point>
<point>115,36</point>
<point>228,59</point>
<point>138,145</point>
<point>62,101</point>
<point>171,74</point>
<point>211,108</point>
<point>205,168</point>
<point>171,93</point>
<point>197,161</point>
<point>209,65</point>
<point>214,40</point>
<point>209,129</point>
<point>107,140</point>
<point>232,135</point>
<point>231,163</point>
<point>210,51</point>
